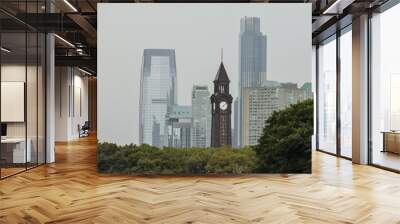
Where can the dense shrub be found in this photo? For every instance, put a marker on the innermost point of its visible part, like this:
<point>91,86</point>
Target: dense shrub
<point>145,159</point>
<point>285,145</point>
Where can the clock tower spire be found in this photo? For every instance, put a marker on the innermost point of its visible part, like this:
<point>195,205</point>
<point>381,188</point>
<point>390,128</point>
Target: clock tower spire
<point>221,102</point>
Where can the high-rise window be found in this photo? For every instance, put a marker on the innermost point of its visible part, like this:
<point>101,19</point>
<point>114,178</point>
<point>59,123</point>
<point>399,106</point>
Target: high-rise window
<point>385,89</point>
<point>327,96</point>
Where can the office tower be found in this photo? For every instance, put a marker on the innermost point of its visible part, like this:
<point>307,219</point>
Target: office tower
<point>178,125</point>
<point>221,103</point>
<point>201,122</point>
<point>306,89</point>
<point>252,65</point>
<point>289,94</point>
<point>259,103</point>
<point>157,94</point>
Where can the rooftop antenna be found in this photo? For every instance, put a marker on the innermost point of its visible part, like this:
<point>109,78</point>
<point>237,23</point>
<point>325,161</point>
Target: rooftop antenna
<point>222,54</point>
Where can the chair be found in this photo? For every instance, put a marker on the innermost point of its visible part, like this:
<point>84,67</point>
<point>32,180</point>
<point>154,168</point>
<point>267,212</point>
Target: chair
<point>84,130</point>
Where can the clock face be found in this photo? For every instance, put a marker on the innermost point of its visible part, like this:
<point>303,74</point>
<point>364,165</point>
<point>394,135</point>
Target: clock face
<point>223,105</point>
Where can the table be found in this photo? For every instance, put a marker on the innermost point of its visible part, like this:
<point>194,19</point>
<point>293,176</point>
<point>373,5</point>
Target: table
<point>13,150</point>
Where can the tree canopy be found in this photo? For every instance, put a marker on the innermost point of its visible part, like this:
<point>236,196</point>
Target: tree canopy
<point>285,145</point>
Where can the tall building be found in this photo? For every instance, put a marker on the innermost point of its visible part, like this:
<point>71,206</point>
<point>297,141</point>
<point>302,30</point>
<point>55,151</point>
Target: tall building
<point>178,125</point>
<point>260,102</point>
<point>307,91</point>
<point>253,61</point>
<point>221,104</point>
<point>289,94</point>
<point>157,94</point>
<point>201,112</point>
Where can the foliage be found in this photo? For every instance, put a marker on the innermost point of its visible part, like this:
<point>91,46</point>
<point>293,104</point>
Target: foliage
<point>145,159</point>
<point>285,145</point>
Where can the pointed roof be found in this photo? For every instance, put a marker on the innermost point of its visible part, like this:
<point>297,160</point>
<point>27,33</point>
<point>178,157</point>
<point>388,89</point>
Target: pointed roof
<point>221,74</point>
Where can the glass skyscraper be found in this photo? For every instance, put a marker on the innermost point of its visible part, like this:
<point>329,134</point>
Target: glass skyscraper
<point>157,94</point>
<point>201,110</point>
<point>252,65</point>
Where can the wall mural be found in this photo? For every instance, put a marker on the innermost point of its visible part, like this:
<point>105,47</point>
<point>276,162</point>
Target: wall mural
<point>204,88</point>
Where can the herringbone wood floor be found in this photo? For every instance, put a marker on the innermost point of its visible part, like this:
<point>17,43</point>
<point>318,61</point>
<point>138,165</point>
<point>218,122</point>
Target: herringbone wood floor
<point>70,191</point>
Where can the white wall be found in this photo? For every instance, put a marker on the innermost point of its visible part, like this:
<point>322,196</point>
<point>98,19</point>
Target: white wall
<point>70,83</point>
<point>62,81</point>
<point>34,125</point>
<point>12,73</point>
<point>17,73</point>
<point>79,117</point>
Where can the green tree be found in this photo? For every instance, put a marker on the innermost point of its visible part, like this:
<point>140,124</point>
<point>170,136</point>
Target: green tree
<point>150,160</point>
<point>285,145</point>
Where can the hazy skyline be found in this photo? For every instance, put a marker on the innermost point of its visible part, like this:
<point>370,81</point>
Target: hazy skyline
<point>198,32</point>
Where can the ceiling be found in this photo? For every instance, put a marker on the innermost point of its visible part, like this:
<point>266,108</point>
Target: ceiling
<point>75,21</point>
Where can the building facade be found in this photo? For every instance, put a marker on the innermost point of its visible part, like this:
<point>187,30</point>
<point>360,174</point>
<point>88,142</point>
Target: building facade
<point>260,102</point>
<point>201,122</point>
<point>252,64</point>
<point>289,94</point>
<point>157,94</point>
<point>178,125</point>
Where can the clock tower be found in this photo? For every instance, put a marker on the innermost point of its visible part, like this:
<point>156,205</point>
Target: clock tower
<point>221,102</point>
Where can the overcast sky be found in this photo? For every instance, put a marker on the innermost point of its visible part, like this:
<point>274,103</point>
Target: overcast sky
<point>197,32</point>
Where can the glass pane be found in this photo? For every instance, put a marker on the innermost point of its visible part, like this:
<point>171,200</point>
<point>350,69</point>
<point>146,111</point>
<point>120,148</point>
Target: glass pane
<point>346,94</point>
<point>13,86</point>
<point>314,81</point>
<point>386,89</point>
<point>32,95</point>
<point>22,91</point>
<point>327,97</point>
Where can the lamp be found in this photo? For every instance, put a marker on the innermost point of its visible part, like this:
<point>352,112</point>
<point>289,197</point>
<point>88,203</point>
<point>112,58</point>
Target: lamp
<point>64,40</point>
